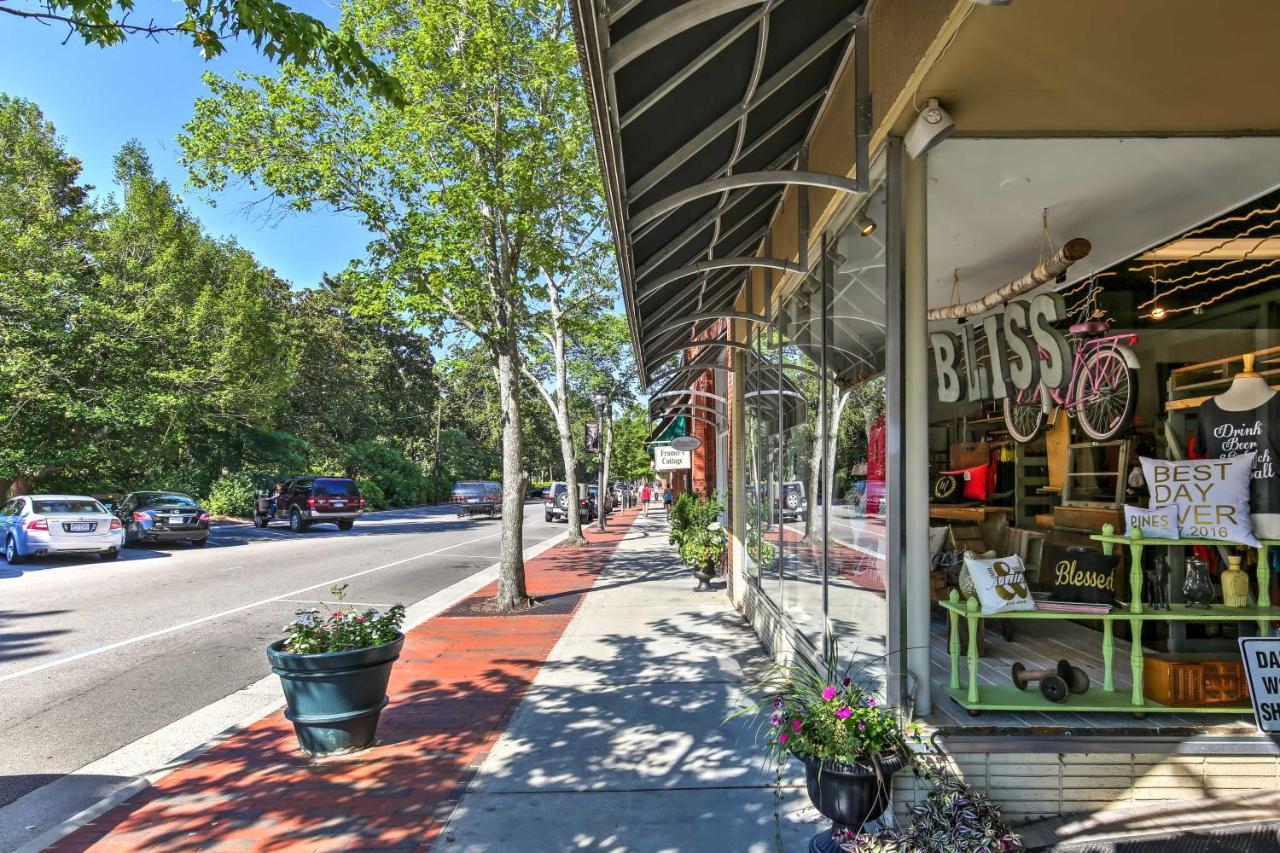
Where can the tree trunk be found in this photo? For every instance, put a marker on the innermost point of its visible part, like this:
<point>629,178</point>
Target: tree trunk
<point>512,594</point>
<point>565,428</point>
<point>837,412</point>
<point>815,471</point>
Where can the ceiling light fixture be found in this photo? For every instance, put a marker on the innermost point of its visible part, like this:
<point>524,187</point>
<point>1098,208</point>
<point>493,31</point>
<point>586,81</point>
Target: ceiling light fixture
<point>1158,311</point>
<point>865,224</point>
<point>932,126</point>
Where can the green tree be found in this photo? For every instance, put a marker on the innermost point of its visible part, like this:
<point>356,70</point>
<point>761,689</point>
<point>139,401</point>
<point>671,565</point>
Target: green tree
<point>280,33</point>
<point>631,458</point>
<point>484,179</point>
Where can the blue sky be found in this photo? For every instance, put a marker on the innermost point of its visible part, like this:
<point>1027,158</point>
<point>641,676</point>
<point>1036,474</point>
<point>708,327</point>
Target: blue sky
<point>100,98</point>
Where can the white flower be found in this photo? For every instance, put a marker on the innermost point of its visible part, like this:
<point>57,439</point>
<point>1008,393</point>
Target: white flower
<point>715,525</point>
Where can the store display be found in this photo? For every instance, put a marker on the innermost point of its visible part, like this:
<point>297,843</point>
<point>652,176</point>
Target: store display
<point>1197,589</point>
<point>1235,584</point>
<point>1083,575</point>
<point>1212,495</point>
<point>1155,584</point>
<point>1194,679</point>
<point>1055,684</point>
<point>1156,523</point>
<point>1246,419</point>
<point>947,489</point>
<point>1000,584</point>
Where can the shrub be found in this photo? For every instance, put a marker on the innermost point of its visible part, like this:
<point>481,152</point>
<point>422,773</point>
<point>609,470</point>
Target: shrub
<point>399,479</point>
<point>372,493</point>
<point>232,495</point>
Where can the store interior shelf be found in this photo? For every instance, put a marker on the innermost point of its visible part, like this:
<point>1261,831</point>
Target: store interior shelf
<point>1006,697</point>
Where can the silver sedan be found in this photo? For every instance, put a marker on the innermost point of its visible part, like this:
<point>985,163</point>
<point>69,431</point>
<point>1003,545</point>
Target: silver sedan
<point>44,525</point>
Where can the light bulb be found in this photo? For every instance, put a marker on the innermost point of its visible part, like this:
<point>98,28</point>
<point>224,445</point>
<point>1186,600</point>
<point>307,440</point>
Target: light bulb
<point>1158,313</point>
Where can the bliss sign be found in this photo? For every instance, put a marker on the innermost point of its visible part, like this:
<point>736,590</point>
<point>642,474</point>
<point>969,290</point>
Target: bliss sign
<point>1025,349</point>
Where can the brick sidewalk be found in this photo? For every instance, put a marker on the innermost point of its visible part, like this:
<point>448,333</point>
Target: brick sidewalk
<point>458,680</point>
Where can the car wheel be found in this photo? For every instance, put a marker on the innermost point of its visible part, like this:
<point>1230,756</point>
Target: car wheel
<point>260,520</point>
<point>346,524</point>
<point>549,517</point>
<point>296,524</point>
<point>109,555</point>
<point>11,555</point>
<point>199,543</point>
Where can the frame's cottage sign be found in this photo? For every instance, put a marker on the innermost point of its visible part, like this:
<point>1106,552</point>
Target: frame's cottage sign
<point>1262,668</point>
<point>686,442</point>
<point>670,459</point>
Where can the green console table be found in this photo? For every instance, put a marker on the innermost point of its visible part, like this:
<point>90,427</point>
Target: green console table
<point>1006,697</point>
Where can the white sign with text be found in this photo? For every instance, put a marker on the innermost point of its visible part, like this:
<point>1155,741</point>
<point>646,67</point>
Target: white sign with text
<point>1262,668</point>
<point>670,459</point>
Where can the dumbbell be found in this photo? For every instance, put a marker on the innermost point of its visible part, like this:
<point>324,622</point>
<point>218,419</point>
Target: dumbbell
<point>1056,683</point>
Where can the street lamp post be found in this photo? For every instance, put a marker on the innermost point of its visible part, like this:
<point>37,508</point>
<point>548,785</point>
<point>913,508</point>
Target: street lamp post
<point>601,400</point>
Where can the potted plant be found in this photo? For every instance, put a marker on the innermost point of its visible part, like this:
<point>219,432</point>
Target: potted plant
<point>334,665</point>
<point>703,541</point>
<point>849,741</point>
<point>679,518</point>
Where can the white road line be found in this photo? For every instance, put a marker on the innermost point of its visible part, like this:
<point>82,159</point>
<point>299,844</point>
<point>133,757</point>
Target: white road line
<point>97,650</point>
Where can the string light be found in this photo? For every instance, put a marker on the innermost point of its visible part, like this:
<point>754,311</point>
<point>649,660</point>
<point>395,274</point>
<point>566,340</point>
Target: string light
<point>1169,312</point>
<point>1207,279</point>
<point>1214,246</point>
<point>1158,312</point>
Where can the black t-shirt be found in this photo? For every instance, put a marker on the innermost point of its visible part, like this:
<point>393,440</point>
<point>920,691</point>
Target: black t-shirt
<point>1223,433</point>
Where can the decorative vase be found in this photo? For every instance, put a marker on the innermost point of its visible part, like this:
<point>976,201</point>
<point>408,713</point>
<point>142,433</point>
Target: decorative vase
<point>1197,589</point>
<point>848,795</point>
<point>1235,585</point>
<point>335,698</point>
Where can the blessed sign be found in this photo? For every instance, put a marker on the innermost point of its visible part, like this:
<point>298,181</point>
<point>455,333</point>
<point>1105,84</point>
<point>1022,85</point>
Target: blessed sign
<point>1025,349</point>
<point>1262,667</point>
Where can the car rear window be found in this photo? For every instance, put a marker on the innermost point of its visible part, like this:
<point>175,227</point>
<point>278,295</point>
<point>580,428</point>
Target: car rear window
<point>335,489</point>
<point>65,505</point>
<point>167,499</point>
<point>469,489</point>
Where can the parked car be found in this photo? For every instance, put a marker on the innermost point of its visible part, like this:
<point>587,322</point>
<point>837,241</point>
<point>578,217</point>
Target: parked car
<point>477,497</point>
<point>594,491</point>
<point>162,517</point>
<point>556,503</point>
<point>794,502</point>
<point>43,525</point>
<point>305,501</point>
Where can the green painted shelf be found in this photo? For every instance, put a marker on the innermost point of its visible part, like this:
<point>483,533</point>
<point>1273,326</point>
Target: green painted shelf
<point>1006,697</point>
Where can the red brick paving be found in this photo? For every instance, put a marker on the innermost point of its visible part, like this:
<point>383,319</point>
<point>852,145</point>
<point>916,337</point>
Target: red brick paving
<point>458,680</point>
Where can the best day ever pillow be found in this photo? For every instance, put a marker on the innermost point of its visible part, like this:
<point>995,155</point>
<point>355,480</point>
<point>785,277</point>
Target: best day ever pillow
<point>1212,495</point>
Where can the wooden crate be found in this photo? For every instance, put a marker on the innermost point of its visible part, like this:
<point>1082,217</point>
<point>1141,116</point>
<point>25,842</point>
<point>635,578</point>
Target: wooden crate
<point>1194,679</point>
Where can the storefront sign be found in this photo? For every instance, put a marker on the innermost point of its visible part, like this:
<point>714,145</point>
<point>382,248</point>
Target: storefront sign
<point>670,459</point>
<point>1024,347</point>
<point>686,442</point>
<point>1262,668</point>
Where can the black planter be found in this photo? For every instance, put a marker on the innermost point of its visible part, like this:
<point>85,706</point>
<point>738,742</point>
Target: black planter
<point>704,577</point>
<point>848,796</point>
<point>335,698</point>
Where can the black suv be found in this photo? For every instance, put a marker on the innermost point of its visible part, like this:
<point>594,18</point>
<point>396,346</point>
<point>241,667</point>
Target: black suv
<point>305,501</point>
<point>162,517</point>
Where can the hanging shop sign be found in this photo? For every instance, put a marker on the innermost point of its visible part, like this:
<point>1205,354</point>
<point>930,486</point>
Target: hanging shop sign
<point>670,459</point>
<point>1026,350</point>
<point>1262,668</point>
<point>686,442</point>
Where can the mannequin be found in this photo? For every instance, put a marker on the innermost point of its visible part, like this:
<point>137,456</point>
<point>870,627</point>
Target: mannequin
<point>1246,418</point>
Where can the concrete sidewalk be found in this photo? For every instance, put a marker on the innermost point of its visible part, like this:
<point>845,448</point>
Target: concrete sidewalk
<point>620,743</point>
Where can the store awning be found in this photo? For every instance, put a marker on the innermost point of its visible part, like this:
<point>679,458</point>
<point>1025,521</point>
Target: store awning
<point>701,111</point>
<point>763,396</point>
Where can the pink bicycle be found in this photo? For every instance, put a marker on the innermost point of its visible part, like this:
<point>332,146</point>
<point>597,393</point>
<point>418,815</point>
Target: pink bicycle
<point>1101,393</point>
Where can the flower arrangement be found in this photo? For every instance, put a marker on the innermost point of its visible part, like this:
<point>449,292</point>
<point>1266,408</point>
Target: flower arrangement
<point>820,711</point>
<point>953,817</point>
<point>315,631</point>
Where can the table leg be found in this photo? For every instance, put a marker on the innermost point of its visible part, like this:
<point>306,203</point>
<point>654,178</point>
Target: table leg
<point>1135,659</point>
<point>972,618</point>
<point>1108,656</point>
<point>954,649</point>
<point>1264,586</point>
<point>1135,578</point>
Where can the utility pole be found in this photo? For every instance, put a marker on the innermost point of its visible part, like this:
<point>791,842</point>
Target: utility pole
<point>435,487</point>
<point>601,400</point>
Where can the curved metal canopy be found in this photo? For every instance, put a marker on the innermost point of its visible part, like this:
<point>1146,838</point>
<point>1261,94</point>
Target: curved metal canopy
<point>791,177</point>
<point>689,392</point>
<point>659,357</point>
<point>702,316</point>
<point>716,264</point>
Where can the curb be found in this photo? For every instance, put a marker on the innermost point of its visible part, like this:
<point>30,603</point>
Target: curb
<point>417,613</point>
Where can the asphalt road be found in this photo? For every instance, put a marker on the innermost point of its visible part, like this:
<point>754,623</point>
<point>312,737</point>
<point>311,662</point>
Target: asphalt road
<point>96,655</point>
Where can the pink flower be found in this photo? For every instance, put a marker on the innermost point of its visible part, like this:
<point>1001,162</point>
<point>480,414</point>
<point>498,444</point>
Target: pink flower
<point>782,738</point>
<point>796,725</point>
<point>776,720</point>
<point>845,712</point>
<point>871,703</point>
<point>862,727</point>
<point>829,693</point>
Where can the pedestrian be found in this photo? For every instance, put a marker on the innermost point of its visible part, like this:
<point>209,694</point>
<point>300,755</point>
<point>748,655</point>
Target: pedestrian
<point>644,499</point>
<point>667,498</point>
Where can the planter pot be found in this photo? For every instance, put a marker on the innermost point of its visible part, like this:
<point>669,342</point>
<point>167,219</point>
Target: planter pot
<point>704,577</point>
<point>848,796</point>
<point>335,698</point>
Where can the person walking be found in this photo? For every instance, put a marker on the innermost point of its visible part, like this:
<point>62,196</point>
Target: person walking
<point>667,498</point>
<point>644,499</point>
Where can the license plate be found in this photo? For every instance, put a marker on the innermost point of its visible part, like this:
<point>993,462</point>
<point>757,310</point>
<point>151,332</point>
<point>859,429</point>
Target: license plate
<point>80,527</point>
<point>339,503</point>
<point>175,519</point>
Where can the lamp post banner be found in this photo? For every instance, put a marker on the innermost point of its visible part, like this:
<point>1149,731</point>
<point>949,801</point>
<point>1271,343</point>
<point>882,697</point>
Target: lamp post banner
<point>671,459</point>
<point>591,437</point>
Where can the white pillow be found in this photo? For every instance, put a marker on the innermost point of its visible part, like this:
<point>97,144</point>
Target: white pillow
<point>1212,495</point>
<point>1159,522</point>
<point>1001,584</point>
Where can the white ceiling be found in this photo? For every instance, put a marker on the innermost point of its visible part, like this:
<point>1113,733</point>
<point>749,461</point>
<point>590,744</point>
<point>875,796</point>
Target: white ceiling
<point>1123,195</point>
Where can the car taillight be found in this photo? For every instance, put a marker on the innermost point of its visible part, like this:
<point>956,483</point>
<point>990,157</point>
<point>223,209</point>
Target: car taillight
<point>141,516</point>
<point>116,525</point>
<point>37,524</point>
<point>362,503</point>
<point>204,516</point>
<point>311,502</point>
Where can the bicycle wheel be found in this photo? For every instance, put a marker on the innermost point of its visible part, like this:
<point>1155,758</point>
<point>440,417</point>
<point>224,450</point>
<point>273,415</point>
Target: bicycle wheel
<point>1024,415</point>
<point>1106,394</point>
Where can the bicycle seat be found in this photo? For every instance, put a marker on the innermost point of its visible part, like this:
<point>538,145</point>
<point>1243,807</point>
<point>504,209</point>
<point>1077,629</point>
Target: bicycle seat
<point>1089,328</point>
